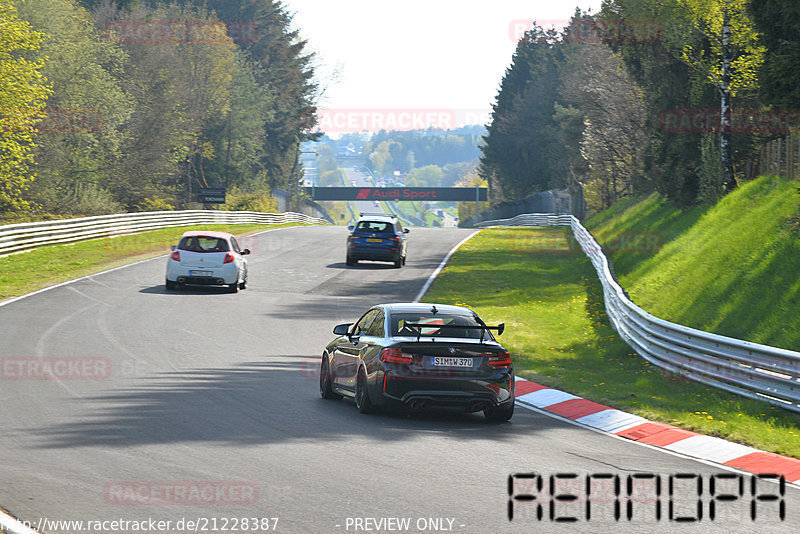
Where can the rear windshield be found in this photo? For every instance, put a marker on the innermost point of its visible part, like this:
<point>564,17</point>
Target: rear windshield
<point>434,321</point>
<point>203,243</point>
<point>375,226</point>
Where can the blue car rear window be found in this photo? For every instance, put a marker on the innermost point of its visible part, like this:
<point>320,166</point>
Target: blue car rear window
<point>376,226</point>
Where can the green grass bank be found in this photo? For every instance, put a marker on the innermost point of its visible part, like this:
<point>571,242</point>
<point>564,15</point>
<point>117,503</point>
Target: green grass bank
<point>732,269</point>
<point>540,284</point>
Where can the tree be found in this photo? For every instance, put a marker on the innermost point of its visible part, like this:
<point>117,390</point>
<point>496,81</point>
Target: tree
<point>181,85</point>
<point>427,176</point>
<point>716,44</point>
<point>522,149</point>
<point>608,132</point>
<point>283,68</point>
<point>382,159</point>
<point>418,148</point>
<point>23,92</point>
<point>79,143</point>
<point>468,209</point>
<point>778,21</point>
<point>729,59</point>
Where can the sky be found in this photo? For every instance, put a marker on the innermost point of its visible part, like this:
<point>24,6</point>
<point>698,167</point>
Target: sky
<point>413,63</point>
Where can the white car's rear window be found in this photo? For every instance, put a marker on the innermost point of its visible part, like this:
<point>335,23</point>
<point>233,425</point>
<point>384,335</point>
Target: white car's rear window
<point>203,244</point>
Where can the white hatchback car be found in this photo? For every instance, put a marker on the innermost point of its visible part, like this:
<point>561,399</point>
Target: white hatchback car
<point>208,259</point>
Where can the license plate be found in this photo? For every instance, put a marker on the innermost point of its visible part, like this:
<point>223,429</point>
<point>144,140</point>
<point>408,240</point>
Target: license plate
<point>447,361</point>
<point>370,240</point>
<point>199,273</point>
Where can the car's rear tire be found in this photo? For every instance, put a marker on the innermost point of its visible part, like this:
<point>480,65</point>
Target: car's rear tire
<point>325,385</point>
<point>171,286</point>
<point>398,263</point>
<point>350,261</point>
<point>500,414</point>
<point>233,288</point>
<point>404,260</point>
<point>362,400</point>
<point>243,284</point>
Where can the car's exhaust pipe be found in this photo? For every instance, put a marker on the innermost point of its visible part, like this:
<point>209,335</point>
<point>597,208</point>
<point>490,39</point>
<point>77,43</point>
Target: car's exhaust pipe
<point>416,404</point>
<point>220,281</point>
<point>478,406</point>
<point>181,279</point>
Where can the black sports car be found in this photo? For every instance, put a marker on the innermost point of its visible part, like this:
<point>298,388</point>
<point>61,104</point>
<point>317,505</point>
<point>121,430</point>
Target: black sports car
<point>419,355</point>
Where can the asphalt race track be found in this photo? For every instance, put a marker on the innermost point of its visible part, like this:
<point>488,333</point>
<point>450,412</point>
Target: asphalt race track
<point>199,405</point>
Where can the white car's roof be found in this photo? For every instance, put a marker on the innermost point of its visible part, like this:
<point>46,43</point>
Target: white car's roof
<point>192,233</point>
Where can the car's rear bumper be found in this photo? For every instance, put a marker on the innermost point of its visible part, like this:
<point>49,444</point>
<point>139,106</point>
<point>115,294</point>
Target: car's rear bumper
<point>376,254</point>
<point>472,394</point>
<point>225,275</point>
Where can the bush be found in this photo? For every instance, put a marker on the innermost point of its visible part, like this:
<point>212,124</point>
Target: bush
<point>239,200</point>
<point>81,199</point>
<point>155,204</point>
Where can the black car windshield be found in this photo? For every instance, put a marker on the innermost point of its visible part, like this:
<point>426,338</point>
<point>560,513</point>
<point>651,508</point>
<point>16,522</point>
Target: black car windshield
<point>202,243</point>
<point>380,227</point>
<point>434,321</point>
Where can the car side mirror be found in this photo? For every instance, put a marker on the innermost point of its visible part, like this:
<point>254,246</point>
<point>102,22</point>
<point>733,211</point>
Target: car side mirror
<point>173,247</point>
<point>406,230</point>
<point>341,329</point>
<point>350,227</point>
<point>245,252</point>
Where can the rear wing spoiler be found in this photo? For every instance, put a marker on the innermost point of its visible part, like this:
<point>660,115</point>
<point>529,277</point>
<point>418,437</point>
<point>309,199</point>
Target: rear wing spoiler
<point>483,328</point>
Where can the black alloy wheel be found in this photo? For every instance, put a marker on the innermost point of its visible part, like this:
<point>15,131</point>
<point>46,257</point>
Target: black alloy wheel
<point>363,402</point>
<point>325,386</point>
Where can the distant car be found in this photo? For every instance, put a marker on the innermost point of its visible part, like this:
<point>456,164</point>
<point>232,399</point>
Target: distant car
<point>207,259</point>
<point>377,238</point>
<point>353,183</point>
<point>418,355</point>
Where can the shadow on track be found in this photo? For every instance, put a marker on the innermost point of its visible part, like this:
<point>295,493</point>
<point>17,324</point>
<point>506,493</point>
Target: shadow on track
<point>253,403</point>
<point>185,290</point>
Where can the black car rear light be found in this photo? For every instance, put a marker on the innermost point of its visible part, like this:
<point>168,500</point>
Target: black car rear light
<point>501,360</point>
<point>395,355</point>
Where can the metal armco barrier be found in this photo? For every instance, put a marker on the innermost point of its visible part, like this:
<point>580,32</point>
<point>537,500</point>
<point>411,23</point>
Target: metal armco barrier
<point>749,369</point>
<point>25,236</point>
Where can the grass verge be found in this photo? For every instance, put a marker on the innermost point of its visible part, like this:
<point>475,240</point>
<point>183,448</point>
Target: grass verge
<point>42,267</point>
<point>730,268</point>
<point>550,298</point>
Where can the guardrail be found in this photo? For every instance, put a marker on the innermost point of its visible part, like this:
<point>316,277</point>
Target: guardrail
<point>25,236</point>
<point>749,369</point>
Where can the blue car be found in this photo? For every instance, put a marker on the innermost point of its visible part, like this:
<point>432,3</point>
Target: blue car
<point>377,238</point>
